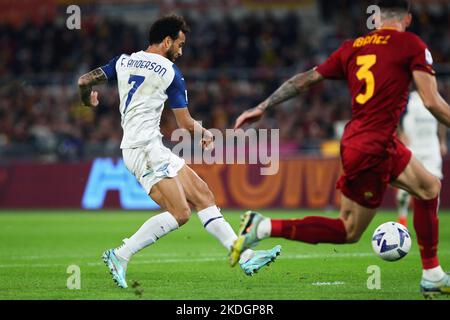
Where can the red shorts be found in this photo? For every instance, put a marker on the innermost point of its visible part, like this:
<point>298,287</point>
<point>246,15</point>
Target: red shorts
<point>366,176</point>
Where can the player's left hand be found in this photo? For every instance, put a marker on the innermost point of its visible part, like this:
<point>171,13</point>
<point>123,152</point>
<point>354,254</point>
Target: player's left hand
<point>207,141</point>
<point>249,116</point>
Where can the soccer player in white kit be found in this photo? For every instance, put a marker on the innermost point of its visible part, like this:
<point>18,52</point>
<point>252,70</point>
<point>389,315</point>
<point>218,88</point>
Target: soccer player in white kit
<point>146,79</point>
<point>426,138</point>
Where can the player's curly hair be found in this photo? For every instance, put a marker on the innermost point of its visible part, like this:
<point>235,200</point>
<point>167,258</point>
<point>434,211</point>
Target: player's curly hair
<point>169,25</point>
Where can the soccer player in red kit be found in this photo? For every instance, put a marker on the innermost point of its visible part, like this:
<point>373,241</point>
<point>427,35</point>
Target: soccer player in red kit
<point>378,68</point>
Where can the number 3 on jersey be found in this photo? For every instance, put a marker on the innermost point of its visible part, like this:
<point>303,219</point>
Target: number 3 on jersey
<point>364,74</point>
<point>138,80</point>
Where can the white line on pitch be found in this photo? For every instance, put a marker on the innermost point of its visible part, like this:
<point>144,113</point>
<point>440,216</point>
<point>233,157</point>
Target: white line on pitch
<point>334,283</point>
<point>193,260</point>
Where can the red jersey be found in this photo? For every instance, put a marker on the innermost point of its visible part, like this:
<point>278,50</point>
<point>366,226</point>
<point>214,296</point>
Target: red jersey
<point>378,68</point>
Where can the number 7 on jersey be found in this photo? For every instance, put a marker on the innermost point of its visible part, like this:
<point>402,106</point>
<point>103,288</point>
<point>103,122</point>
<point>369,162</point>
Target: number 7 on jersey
<point>138,80</point>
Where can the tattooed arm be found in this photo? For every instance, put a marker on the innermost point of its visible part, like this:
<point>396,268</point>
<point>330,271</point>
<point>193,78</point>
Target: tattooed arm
<point>85,83</point>
<point>291,88</point>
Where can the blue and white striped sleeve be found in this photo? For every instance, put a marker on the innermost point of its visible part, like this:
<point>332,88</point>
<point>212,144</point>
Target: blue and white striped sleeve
<point>110,69</point>
<point>176,92</point>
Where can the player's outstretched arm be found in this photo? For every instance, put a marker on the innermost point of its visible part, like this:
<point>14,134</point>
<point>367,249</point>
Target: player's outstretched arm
<point>428,90</point>
<point>85,83</point>
<point>286,91</point>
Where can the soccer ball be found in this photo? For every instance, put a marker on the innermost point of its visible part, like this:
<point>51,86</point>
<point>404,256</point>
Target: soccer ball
<point>391,241</point>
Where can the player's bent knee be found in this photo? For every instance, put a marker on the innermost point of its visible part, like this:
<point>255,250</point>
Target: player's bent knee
<point>182,215</point>
<point>431,191</point>
<point>437,188</point>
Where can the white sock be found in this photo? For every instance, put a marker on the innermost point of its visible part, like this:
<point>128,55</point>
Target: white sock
<point>154,228</point>
<point>264,229</point>
<point>434,274</point>
<point>214,222</point>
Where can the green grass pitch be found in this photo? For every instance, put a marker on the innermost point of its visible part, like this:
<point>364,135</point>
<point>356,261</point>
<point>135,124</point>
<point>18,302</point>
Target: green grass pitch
<point>36,249</point>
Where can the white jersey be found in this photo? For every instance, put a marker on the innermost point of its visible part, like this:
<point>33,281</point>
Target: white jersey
<point>421,129</point>
<point>145,81</point>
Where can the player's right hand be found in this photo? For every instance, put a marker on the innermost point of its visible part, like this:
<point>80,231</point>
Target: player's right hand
<point>207,141</point>
<point>249,116</point>
<point>94,99</point>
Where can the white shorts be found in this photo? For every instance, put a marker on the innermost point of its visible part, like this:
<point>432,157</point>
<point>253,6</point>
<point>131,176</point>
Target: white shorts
<point>152,163</point>
<point>432,163</point>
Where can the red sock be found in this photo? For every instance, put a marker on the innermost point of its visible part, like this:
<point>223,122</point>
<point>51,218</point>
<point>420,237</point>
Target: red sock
<point>310,230</point>
<point>426,224</point>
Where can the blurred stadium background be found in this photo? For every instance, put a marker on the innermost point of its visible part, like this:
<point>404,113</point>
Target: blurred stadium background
<point>56,153</point>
